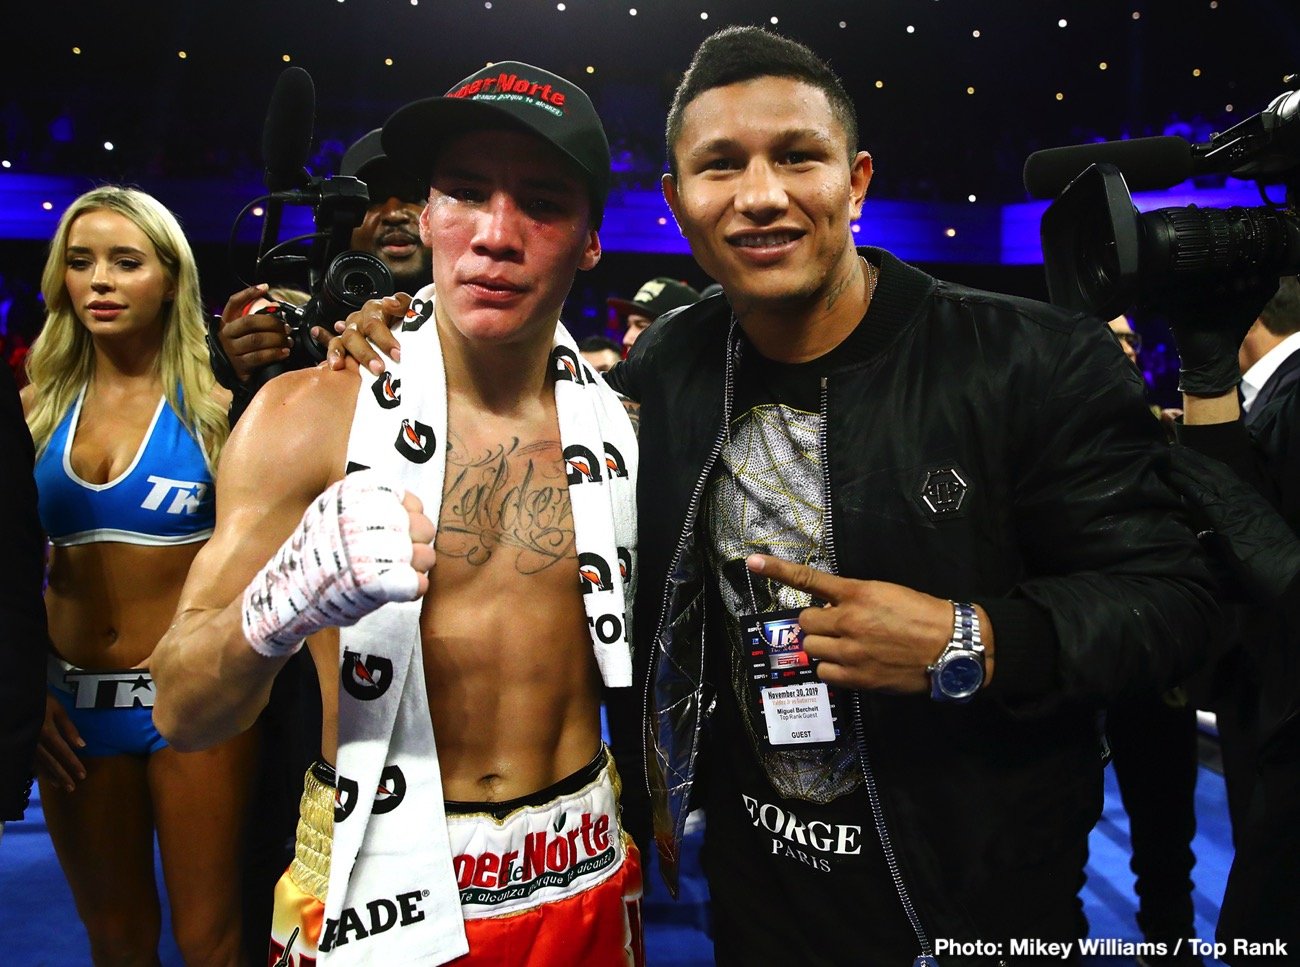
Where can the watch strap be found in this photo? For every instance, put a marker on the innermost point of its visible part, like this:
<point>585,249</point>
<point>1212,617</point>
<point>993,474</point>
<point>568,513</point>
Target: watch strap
<point>966,638</point>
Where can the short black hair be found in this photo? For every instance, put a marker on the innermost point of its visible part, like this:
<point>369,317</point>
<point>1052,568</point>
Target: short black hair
<point>736,54</point>
<point>594,344</point>
<point>1281,316</point>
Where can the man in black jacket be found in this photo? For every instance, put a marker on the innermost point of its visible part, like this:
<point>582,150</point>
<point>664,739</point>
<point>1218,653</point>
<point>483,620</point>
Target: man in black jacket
<point>24,639</point>
<point>1257,695</point>
<point>966,484</point>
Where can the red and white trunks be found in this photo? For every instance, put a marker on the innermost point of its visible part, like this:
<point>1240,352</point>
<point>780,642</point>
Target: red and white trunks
<point>548,880</point>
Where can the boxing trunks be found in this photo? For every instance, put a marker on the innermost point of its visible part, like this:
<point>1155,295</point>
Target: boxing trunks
<point>112,710</point>
<point>547,880</point>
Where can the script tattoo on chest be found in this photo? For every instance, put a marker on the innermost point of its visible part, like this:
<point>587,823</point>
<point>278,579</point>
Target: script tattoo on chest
<point>510,498</point>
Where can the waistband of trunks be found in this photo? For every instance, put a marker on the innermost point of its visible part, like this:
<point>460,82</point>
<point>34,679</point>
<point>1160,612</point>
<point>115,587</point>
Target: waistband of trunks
<point>565,787</point>
<point>326,774</point>
<point>310,868</point>
<point>101,688</point>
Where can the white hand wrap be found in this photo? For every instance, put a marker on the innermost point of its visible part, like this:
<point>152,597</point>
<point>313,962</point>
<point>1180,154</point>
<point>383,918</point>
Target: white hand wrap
<point>350,554</point>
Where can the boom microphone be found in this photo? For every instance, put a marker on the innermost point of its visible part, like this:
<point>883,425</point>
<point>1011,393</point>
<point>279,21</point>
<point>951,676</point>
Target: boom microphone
<point>286,135</point>
<point>1147,164</point>
<point>286,145</point>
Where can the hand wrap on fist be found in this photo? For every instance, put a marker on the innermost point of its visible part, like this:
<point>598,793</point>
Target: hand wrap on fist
<point>350,554</point>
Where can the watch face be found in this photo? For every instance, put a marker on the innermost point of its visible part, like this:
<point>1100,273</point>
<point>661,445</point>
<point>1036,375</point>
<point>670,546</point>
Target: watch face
<point>961,675</point>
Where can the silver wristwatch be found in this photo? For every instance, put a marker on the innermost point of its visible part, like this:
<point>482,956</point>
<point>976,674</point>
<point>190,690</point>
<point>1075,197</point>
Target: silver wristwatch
<point>958,672</point>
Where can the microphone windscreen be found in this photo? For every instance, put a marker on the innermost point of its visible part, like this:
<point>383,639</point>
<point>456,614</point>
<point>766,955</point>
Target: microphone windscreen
<point>286,135</point>
<point>1147,164</point>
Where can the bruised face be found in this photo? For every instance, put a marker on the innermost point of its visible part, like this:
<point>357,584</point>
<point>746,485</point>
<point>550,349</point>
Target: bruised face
<point>766,191</point>
<point>391,232</point>
<point>508,222</point>
<point>115,281</point>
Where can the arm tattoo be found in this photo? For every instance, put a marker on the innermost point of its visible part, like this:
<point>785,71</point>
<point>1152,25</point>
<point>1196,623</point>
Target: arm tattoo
<point>509,499</point>
<point>633,409</point>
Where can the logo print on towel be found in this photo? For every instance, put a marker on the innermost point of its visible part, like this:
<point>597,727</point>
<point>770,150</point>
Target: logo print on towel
<point>380,915</point>
<point>608,628</point>
<point>345,798</point>
<point>624,564</point>
<point>415,441</point>
<point>593,573</point>
<point>565,364</point>
<point>366,677</point>
<point>388,794</point>
<point>385,389</point>
<point>420,312</point>
<point>614,461</point>
<point>580,464</point>
<point>391,791</point>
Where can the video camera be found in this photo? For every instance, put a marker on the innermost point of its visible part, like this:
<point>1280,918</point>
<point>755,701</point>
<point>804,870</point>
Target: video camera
<point>1103,256</point>
<point>340,280</point>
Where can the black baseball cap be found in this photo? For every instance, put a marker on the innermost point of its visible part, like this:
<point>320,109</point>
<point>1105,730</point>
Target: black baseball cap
<point>366,160</point>
<point>506,94</point>
<point>656,297</point>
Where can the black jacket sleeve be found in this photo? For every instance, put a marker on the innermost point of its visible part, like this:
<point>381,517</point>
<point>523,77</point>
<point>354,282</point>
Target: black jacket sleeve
<point>1112,563</point>
<point>24,639</point>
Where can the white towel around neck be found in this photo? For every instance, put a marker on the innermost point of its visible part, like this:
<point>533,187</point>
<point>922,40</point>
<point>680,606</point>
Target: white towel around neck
<point>392,889</point>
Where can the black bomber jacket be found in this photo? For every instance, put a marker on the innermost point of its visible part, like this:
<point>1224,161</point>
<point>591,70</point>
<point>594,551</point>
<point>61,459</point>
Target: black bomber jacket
<point>1027,430</point>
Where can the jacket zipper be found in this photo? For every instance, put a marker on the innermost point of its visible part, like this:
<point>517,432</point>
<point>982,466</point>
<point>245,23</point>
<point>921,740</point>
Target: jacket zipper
<point>692,509</point>
<point>859,730</point>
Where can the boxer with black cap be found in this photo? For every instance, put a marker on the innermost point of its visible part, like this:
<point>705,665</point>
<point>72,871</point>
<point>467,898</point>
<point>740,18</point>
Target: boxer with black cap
<point>503,835</point>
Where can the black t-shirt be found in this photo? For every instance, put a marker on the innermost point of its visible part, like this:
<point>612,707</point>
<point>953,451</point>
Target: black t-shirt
<point>794,860</point>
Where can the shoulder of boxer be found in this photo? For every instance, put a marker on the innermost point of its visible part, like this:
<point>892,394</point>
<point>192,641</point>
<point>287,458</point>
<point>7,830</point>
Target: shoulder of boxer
<point>297,425</point>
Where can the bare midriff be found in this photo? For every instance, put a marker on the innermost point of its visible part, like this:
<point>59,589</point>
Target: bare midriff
<point>514,692</point>
<point>109,603</point>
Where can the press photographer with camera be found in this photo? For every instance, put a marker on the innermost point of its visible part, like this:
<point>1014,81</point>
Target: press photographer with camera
<point>251,332</point>
<point>366,245</point>
<point>1255,682</point>
<point>1212,272</point>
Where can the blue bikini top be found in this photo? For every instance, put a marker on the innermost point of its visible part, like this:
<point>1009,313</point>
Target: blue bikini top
<point>164,497</point>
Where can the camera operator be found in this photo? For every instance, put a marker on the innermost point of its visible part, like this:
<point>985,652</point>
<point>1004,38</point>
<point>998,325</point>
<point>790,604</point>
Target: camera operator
<point>253,335</point>
<point>390,230</point>
<point>1255,691</point>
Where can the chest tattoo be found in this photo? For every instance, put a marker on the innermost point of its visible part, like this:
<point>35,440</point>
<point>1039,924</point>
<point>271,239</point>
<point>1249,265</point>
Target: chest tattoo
<point>507,499</point>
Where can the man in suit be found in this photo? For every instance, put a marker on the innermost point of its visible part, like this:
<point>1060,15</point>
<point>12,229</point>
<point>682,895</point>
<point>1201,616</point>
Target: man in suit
<point>1257,434</point>
<point>1270,353</point>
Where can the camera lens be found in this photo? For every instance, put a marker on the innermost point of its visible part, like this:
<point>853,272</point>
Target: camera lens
<point>358,284</point>
<point>351,279</point>
<point>1200,249</point>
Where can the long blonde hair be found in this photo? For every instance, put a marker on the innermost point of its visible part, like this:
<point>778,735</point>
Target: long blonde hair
<point>62,359</point>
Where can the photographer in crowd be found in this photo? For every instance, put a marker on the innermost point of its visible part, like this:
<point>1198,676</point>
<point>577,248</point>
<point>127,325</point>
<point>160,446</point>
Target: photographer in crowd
<point>1256,682</point>
<point>252,332</point>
